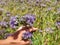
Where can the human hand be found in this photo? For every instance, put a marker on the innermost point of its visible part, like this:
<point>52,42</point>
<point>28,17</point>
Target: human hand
<point>16,38</point>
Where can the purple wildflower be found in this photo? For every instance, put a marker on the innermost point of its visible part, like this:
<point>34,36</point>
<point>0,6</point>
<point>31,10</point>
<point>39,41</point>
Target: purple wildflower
<point>13,18</point>
<point>49,8</point>
<point>58,24</point>
<point>3,24</point>
<point>13,22</point>
<point>8,13</point>
<point>26,35</point>
<point>50,30</point>
<point>28,19</point>
<point>37,2</point>
<point>40,30</point>
<point>3,3</point>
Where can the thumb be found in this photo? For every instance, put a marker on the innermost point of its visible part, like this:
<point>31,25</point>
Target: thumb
<point>33,29</point>
<point>19,28</point>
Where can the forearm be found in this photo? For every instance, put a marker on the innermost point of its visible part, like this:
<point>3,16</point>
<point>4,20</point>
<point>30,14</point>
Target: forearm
<point>13,42</point>
<point>8,42</point>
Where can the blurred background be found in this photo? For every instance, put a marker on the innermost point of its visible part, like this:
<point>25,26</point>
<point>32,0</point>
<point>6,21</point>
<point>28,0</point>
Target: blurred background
<point>47,14</point>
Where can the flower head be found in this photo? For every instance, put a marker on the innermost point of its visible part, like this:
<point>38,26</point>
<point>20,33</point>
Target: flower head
<point>3,24</point>
<point>8,13</point>
<point>13,22</point>
<point>58,24</point>
<point>28,19</point>
<point>26,35</point>
<point>48,29</point>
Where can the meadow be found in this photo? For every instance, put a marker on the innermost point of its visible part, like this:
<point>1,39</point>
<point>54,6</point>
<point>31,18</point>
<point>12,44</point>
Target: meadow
<point>47,21</point>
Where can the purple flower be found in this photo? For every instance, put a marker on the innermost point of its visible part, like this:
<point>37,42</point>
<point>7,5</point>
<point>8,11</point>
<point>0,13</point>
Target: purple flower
<point>28,19</point>
<point>49,8</point>
<point>48,29</point>
<point>40,30</point>
<point>8,13</point>
<point>3,24</point>
<point>58,24</point>
<point>13,18</point>
<point>26,35</point>
<point>13,22</point>
<point>1,9</point>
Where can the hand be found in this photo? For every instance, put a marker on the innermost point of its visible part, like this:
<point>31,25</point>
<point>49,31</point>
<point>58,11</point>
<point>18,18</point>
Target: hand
<point>16,38</point>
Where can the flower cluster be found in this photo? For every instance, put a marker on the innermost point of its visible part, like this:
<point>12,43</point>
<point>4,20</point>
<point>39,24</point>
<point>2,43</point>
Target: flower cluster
<point>13,22</point>
<point>28,19</point>
<point>58,24</point>
<point>4,24</point>
<point>27,35</point>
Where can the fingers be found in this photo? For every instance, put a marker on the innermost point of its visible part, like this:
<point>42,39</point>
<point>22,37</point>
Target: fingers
<point>21,42</point>
<point>19,28</point>
<point>20,35</point>
<point>33,29</point>
<point>14,42</point>
<point>25,42</point>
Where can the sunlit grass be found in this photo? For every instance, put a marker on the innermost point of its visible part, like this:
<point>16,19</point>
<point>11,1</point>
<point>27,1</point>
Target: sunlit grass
<point>46,17</point>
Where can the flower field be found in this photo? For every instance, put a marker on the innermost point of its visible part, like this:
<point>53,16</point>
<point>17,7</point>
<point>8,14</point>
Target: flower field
<point>46,12</point>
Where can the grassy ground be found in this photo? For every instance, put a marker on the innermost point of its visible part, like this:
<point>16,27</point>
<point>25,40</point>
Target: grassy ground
<point>47,14</point>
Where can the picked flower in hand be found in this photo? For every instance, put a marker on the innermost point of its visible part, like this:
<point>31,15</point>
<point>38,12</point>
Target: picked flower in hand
<point>27,35</point>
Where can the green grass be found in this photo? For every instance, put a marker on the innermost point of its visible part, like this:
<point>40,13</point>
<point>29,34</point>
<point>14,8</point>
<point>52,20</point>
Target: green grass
<point>44,18</point>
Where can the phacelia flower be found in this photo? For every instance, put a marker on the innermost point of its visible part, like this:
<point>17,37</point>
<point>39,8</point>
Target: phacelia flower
<point>13,22</point>
<point>48,29</point>
<point>3,24</point>
<point>8,13</point>
<point>40,30</point>
<point>27,35</point>
<point>28,19</point>
<point>58,24</point>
